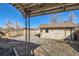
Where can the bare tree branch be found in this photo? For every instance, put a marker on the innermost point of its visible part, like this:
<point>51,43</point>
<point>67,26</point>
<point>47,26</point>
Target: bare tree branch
<point>71,17</point>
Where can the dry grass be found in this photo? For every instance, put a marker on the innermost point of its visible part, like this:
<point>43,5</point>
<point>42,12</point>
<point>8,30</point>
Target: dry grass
<point>56,48</point>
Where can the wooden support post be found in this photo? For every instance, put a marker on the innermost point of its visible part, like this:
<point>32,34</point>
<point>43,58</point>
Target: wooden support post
<point>15,51</point>
<point>28,32</point>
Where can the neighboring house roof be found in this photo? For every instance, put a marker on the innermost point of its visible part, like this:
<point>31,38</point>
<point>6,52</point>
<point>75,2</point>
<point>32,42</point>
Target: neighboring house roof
<point>30,28</point>
<point>59,25</point>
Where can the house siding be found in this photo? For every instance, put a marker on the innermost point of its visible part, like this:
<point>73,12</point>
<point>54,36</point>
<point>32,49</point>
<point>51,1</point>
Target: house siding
<point>56,34</point>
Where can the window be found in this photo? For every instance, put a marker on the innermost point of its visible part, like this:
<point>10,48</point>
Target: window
<point>46,30</point>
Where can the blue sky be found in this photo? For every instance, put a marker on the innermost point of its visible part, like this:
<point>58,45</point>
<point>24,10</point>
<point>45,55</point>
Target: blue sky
<point>8,12</point>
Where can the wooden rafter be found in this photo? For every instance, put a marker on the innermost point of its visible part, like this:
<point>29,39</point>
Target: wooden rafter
<point>45,8</point>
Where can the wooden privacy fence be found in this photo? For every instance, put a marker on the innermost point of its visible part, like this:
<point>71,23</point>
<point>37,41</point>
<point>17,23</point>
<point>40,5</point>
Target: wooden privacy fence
<point>76,35</point>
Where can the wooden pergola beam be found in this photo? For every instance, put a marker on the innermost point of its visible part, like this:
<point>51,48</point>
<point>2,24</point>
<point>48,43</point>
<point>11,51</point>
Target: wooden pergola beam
<point>43,9</point>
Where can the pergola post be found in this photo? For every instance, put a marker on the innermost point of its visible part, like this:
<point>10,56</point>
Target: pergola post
<point>27,31</point>
<point>26,35</point>
<point>29,51</point>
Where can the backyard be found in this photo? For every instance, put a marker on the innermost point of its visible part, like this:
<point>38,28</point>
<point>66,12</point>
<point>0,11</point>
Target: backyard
<point>41,47</point>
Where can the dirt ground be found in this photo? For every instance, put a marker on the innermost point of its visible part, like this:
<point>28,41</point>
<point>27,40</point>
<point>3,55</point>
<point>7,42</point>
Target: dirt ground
<point>42,47</point>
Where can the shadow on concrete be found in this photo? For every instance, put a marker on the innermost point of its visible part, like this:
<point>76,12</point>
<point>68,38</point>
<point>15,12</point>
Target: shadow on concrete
<point>73,40</point>
<point>6,51</point>
<point>74,44</point>
<point>6,47</point>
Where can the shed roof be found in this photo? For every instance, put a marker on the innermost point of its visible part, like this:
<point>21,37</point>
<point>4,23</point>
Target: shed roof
<point>59,25</point>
